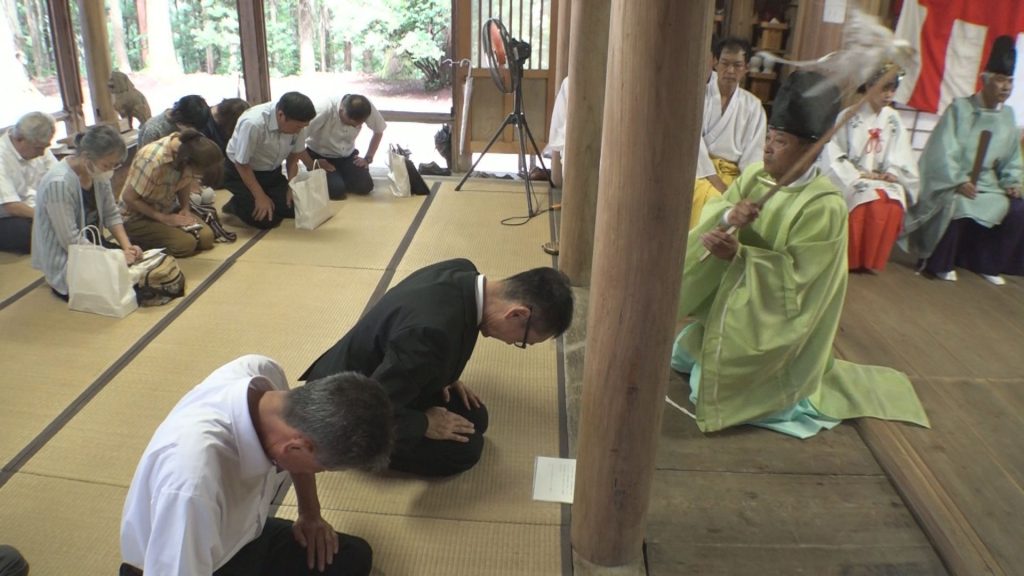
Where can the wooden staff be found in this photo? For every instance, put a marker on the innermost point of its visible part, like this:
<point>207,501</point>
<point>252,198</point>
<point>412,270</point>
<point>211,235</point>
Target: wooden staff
<point>979,159</point>
<point>812,153</point>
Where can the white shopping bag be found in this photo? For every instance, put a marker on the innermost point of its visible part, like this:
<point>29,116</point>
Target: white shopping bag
<point>399,174</point>
<point>98,278</point>
<point>312,203</point>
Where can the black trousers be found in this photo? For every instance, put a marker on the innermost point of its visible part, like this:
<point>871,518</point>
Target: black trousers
<point>16,235</point>
<point>426,457</point>
<point>347,177</point>
<point>11,561</point>
<point>276,553</point>
<point>242,203</point>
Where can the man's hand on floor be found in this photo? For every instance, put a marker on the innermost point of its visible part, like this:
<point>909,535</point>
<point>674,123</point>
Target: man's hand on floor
<point>445,425</point>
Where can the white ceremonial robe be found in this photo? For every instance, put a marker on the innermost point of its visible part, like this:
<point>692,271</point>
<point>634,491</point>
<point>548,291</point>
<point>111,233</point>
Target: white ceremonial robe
<point>872,142</point>
<point>735,134</point>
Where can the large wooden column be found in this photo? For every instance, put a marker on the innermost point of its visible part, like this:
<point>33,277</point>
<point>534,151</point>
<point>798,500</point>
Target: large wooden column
<point>588,57</point>
<point>93,16</point>
<point>252,30</point>
<point>66,55</point>
<point>812,36</point>
<point>652,118</point>
<point>561,71</point>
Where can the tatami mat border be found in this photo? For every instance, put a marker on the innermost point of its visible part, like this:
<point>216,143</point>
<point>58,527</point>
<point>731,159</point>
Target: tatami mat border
<point>17,295</point>
<point>80,402</point>
<point>382,286</point>
<point>403,246</point>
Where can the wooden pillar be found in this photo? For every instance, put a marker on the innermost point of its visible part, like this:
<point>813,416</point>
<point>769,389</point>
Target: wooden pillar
<point>93,18</point>
<point>465,28</point>
<point>66,55</point>
<point>561,71</point>
<point>740,18</point>
<point>252,30</point>
<point>588,58</point>
<point>656,64</point>
<point>812,36</point>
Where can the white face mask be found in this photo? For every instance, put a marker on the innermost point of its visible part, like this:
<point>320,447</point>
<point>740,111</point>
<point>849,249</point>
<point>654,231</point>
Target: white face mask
<point>100,176</point>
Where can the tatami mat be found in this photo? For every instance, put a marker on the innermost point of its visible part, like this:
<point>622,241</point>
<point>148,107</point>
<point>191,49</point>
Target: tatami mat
<point>292,295</point>
<point>16,272</point>
<point>468,225</point>
<point>52,354</point>
<point>506,185</point>
<point>518,388</point>
<point>288,313</point>
<point>364,233</point>
<point>411,546</point>
<point>63,527</point>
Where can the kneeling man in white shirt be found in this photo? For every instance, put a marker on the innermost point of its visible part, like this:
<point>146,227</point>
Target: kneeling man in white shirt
<point>200,499</point>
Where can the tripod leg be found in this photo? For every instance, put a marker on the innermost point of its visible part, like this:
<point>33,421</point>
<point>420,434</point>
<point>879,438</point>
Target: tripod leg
<point>536,149</point>
<point>522,165</point>
<point>508,120</point>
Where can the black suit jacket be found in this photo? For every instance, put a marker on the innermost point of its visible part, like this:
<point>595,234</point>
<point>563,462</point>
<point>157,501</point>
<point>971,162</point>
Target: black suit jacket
<point>415,341</point>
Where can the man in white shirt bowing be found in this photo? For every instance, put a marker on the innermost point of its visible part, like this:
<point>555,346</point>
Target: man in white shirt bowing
<point>200,499</point>
<point>331,138</point>
<point>735,125</point>
<point>24,160</point>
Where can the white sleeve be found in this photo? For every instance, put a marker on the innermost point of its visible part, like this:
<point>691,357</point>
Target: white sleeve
<point>375,121</point>
<point>901,163</point>
<point>753,148</point>
<point>705,167</point>
<point>243,141</point>
<point>8,193</point>
<point>183,536</point>
<point>252,365</point>
<point>836,162</point>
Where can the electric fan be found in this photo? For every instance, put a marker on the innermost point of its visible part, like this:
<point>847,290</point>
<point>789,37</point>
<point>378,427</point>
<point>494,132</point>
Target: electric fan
<point>505,58</point>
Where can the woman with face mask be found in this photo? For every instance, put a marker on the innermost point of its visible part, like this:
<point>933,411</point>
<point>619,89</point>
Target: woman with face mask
<point>74,194</point>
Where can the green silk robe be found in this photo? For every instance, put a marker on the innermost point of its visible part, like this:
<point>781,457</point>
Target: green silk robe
<point>946,162</point>
<point>768,318</point>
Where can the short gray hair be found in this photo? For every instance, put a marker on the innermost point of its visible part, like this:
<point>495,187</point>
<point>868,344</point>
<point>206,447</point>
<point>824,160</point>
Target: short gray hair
<point>35,128</point>
<point>348,418</point>
<point>100,141</point>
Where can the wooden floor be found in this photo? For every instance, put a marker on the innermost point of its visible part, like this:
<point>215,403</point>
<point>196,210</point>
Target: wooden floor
<point>869,497</point>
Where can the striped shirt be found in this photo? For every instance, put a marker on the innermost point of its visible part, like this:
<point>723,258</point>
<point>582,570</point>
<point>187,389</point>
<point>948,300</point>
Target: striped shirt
<point>153,177</point>
<point>60,216</point>
<point>259,143</point>
<point>18,177</point>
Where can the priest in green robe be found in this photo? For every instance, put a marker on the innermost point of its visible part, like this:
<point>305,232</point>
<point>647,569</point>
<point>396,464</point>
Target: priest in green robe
<point>766,306</point>
<point>973,224</point>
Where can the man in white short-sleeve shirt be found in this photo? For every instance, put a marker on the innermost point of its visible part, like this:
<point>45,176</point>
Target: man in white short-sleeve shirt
<point>24,159</point>
<point>265,136</point>
<point>200,499</point>
<point>331,138</point>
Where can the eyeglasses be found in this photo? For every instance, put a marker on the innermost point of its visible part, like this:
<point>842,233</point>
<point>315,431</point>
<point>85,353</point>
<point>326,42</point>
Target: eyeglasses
<point>526,333</point>
<point>732,65</point>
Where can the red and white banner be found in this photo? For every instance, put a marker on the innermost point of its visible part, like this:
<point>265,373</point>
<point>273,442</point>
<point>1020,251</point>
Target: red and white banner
<point>953,39</point>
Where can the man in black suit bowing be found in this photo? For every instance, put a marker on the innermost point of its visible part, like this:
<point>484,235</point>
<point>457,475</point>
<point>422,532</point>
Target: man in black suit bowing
<point>417,340</point>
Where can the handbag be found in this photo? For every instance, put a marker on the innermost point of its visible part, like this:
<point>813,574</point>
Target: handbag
<point>98,278</point>
<point>399,173</point>
<point>312,202</point>
<point>157,278</point>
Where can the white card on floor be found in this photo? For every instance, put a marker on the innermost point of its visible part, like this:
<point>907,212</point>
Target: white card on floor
<point>554,479</point>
